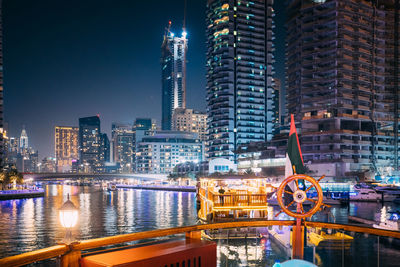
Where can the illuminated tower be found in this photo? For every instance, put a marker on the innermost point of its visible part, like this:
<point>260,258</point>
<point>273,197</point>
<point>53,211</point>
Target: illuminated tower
<point>173,75</point>
<point>90,143</point>
<point>240,94</point>
<point>23,141</point>
<point>66,147</point>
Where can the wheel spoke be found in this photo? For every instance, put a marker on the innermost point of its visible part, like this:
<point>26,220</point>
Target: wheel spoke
<point>322,177</point>
<point>288,192</point>
<point>276,215</point>
<point>311,186</point>
<point>312,200</point>
<point>297,184</point>
<point>289,204</point>
<point>302,208</point>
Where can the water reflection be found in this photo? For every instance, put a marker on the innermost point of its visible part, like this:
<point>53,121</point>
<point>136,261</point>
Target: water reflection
<point>29,224</point>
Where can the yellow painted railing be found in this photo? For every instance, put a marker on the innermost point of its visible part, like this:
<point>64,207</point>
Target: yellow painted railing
<point>70,254</point>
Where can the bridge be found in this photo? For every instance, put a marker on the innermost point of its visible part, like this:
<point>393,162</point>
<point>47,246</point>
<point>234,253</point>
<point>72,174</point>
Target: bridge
<point>97,176</point>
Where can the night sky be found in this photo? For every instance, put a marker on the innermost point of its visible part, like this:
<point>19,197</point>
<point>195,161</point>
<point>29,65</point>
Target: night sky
<point>69,59</point>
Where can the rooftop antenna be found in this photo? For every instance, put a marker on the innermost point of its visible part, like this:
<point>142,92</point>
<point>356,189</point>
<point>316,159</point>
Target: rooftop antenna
<point>168,29</point>
<point>184,16</point>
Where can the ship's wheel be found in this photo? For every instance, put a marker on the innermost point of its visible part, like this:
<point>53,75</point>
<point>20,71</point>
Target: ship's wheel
<point>297,196</point>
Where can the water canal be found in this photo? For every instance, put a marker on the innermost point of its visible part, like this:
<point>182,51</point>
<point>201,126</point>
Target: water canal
<point>30,224</point>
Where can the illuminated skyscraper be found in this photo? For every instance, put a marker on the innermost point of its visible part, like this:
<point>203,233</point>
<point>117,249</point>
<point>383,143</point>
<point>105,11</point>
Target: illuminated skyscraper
<point>240,95</point>
<point>23,141</point>
<point>164,150</point>
<point>123,146</point>
<point>173,71</point>
<point>90,144</point>
<point>143,127</point>
<point>189,120</point>
<point>66,147</point>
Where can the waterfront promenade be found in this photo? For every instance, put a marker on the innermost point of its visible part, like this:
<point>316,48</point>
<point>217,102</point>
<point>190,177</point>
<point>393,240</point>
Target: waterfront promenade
<point>21,193</point>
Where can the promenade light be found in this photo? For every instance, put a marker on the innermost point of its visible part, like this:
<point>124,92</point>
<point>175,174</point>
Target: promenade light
<point>68,218</point>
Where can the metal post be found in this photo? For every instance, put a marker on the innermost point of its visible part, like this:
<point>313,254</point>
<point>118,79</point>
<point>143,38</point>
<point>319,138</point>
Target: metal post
<point>313,260</point>
<point>343,248</point>
<point>378,250</point>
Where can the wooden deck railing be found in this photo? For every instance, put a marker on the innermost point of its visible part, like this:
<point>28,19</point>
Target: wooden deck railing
<point>70,254</point>
<point>220,200</point>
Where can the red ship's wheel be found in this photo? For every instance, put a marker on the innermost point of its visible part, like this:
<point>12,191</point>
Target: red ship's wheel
<point>300,196</point>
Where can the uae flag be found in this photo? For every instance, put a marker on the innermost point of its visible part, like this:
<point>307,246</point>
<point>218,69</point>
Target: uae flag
<point>294,158</point>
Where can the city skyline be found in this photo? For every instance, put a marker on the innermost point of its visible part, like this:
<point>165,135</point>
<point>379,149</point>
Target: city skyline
<point>132,80</point>
<point>122,72</point>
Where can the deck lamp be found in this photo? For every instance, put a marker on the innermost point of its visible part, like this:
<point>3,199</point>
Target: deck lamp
<point>68,218</point>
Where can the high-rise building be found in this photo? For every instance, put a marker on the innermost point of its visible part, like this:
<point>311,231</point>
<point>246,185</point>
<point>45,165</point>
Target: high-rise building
<point>343,84</point>
<point>240,99</point>
<point>105,148</point>
<point>173,75</point>
<point>66,147</point>
<point>28,160</point>
<point>141,128</point>
<point>123,146</point>
<point>48,165</point>
<point>189,120</point>
<point>164,150</point>
<point>278,103</point>
<point>23,140</point>
<point>90,144</point>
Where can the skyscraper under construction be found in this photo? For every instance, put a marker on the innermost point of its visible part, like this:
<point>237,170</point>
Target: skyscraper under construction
<point>173,71</point>
<point>343,84</point>
<point>240,98</point>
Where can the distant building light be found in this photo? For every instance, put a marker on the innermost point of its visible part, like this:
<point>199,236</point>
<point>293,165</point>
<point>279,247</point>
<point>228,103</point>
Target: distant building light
<point>184,34</point>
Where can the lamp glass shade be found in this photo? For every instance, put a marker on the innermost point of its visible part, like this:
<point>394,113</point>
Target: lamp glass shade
<point>68,214</point>
<point>68,218</point>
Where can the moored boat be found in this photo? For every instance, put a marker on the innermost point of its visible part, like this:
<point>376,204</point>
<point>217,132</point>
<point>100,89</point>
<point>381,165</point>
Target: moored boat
<point>233,197</point>
<point>370,195</point>
<point>392,223</point>
<point>322,239</point>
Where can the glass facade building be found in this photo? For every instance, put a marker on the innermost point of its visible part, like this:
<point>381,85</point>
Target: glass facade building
<point>173,75</point>
<point>123,146</point>
<point>240,94</point>
<point>90,144</point>
<point>66,147</point>
<point>166,149</point>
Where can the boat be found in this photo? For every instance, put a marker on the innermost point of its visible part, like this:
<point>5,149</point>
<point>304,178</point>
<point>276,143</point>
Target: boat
<point>233,198</point>
<point>392,224</point>
<point>322,239</point>
<point>330,200</point>
<point>370,194</point>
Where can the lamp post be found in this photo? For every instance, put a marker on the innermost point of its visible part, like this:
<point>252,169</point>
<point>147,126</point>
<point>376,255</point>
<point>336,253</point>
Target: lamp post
<point>68,218</point>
